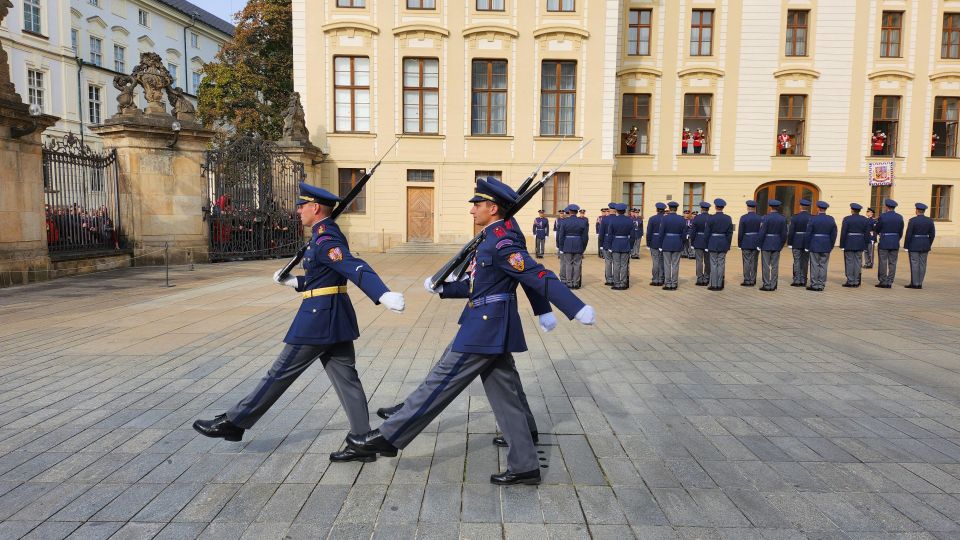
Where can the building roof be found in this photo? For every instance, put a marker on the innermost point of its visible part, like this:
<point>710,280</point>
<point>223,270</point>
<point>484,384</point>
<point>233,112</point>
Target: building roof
<point>203,16</point>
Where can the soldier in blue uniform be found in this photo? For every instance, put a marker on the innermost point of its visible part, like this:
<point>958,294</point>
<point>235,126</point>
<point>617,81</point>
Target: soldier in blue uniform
<point>698,238</point>
<point>325,327</point>
<point>719,233</point>
<point>854,239</point>
<point>558,225</point>
<point>541,229</point>
<point>604,240</point>
<point>561,215</point>
<point>918,241</point>
<point>820,237</point>
<point>687,252</point>
<point>748,240</point>
<point>637,234</point>
<point>597,227</point>
<point>796,239</point>
<point>576,234</point>
<point>773,236</point>
<point>872,239</point>
<point>654,244</point>
<point>889,232</point>
<point>618,232</point>
<point>672,229</point>
<point>490,331</point>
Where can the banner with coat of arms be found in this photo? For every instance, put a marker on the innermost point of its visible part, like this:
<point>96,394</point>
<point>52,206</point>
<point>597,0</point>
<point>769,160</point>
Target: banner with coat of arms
<point>880,173</point>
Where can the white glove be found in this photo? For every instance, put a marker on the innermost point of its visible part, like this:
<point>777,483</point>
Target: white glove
<point>560,252</point>
<point>289,281</point>
<point>393,301</point>
<point>548,321</point>
<point>586,315</point>
<point>661,249</point>
<point>807,250</point>
<point>431,290</point>
<point>841,249</point>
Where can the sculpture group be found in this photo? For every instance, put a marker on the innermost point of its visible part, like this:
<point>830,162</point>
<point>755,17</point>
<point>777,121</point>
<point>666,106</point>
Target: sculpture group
<point>155,79</point>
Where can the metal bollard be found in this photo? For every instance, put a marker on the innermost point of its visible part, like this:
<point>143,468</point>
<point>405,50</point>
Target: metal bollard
<point>166,263</point>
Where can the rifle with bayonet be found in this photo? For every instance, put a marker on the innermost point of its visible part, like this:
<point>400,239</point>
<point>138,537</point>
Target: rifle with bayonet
<point>532,187</point>
<point>341,206</point>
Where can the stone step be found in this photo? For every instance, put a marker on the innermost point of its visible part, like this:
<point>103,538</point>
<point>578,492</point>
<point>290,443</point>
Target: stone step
<point>425,248</point>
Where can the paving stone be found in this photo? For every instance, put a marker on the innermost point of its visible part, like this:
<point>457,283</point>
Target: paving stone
<point>96,530</point>
<point>49,530</point>
<point>128,503</point>
<point>680,509</point>
<point>481,504</point>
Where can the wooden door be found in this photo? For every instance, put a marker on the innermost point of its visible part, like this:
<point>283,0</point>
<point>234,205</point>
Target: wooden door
<point>419,214</point>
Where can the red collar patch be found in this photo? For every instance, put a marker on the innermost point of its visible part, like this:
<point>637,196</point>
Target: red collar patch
<point>499,232</point>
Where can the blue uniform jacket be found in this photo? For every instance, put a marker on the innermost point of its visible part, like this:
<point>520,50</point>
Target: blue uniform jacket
<point>637,230</point>
<point>573,235</point>
<point>889,230</point>
<point>557,224</point>
<point>698,227</point>
<point>798,229</point>
<point>821,234</point>
<point>672,229</point>
<point>873,229</point>
<point>328,263</point>
<point>618,233</point>
<point>920,234</point>
<point>719,232</point>
<point>602,235</point>
<point>854,233</point>
<point>499,264</point>
<point>748,233</point>
<point>773,232</point>
<point>653,231</point>
<point>540,227</point>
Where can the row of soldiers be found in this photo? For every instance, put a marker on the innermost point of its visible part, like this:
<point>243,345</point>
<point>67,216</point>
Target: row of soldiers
<point>708,237</point>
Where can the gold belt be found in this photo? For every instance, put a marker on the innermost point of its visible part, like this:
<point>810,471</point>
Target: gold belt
<point>324,291</point>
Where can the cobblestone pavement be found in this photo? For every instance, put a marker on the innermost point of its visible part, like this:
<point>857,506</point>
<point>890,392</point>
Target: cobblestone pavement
<point>691,414</point>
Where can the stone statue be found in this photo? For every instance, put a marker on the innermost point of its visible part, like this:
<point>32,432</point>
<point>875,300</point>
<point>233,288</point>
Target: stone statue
<point>7,90</point>
<point>153,76</point>
<point>183,109</point>
<point>125,100</point>
<point>294,121</point>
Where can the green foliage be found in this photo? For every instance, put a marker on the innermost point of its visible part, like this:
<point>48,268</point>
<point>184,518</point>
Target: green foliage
<point>249,84</point>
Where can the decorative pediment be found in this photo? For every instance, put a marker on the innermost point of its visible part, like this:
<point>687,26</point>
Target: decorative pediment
<point>97,21</point>
<point>145,39</point>
<point>945,75</point>
<point>796,73</point>
<point>489,32</point>
<point>561,33</point>
<point>120,30</point>
<point>890,74</point>
<point>350,29</point>
<point>700,72</point>
<point>420,31</point>
<point>639,73</point>
<point>197,60</point>
<point>75,13</point>
<point>173,52</point>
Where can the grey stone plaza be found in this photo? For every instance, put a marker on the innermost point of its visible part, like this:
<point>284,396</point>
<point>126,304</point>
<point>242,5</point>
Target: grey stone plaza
<point>736,414</point>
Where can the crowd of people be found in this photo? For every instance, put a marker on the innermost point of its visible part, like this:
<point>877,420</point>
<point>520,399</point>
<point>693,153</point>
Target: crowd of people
<point>245,231</point>
<point>74,226</point>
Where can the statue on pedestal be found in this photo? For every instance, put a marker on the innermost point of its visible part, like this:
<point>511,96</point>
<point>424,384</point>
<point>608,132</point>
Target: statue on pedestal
<point>294,121</point>
<point>183,109</point>
<point>153,76</point>
<point>7,90</point>
<point>125,100</point>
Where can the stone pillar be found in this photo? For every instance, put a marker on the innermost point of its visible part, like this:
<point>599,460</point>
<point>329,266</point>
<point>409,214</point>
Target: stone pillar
<point>162,189</point>
<point>309,155</point>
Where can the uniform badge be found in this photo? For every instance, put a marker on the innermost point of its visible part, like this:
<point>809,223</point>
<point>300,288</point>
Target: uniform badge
<point>516,261</point>
<point>321,229</point>
<point>509,224</point>
<point>322,239</point>
<point>499,232</point>
<point>335,254</point>
<point>504,243</point>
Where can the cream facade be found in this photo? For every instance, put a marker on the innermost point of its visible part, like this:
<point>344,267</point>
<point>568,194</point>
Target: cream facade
<point>830,73</point>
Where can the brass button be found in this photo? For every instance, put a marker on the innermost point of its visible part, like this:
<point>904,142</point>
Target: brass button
<point>484,317</point>
<point>314,311</point>
<point>308,248</point>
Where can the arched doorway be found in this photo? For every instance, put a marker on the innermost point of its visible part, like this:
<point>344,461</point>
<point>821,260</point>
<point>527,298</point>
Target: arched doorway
<point>789,193</point>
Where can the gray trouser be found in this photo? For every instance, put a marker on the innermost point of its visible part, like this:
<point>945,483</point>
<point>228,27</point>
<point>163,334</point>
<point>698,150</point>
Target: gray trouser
<point>703,265</point>
<point>801,262</point>
<point>656,264</point>
<point>918,267</point>
<point>687,249</point>
<point>635,251</point>
<point>339,361</point>
<point>621,268</point>
<point>599,247</point>
<point>718,267</point>
<point>571,265</point>
<point>450,376</point>
<point>750,257</point>
<point>853,266</point>
<point>539,244</point>
<point>770,263</point>
<point>818,270</point>
<point>607,266</point>
<point>868,254</point>
<point>671,268</point>
<point>887,271</point>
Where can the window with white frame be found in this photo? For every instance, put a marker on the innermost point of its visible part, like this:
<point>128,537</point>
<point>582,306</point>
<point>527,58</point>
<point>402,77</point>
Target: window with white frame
<point>143,18</point>
<point>75,41</point>
<point>194,40</point>
<point>558,97</point>
<point>35,87</point>
<point>120,58</point>
<point>488,109</point>
<point>94,2</point>
<point>490,5</point>
<point>421,95</point>
<point>172,68</point>
<point>94,103</point>
<point>96,51</point>
<point>195,79</point>
<point>351,90</point>
<point>31,16</point>
<point>560,5</point>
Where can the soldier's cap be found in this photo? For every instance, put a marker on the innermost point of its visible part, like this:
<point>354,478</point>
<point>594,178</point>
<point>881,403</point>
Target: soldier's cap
<point>720,203</point>
<point>823,204</point>
<point>751,203</point>
<point>673,204</point>
<point>492,190</point>
<point>804,202</point>
<point>634,209</point>
<point>314,194</point>
<point>621,207</point>
<point>704,204</point>
<point>870,209</point>
<point>855,206</point>
<point>573,208</point>
<point>612,206</point>
<point>773,203</point>
<point>890,203</point>
<point>920,206</point>
<point>661,206</point>
<point>539,211</point>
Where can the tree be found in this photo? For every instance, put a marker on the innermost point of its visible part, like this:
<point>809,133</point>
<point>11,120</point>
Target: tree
<point>249,84</point>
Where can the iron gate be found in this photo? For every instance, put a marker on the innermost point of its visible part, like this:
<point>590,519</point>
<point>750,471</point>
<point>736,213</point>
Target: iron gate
<point>82,202</point>
<point>251,201</point>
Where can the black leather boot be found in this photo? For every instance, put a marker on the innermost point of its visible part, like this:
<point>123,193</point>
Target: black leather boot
<point>508,478</point>
<point>501,441</point>
<point>387,412</point>
<point>220,427</point>
<point>352,454</point>
<point>372,443</point>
